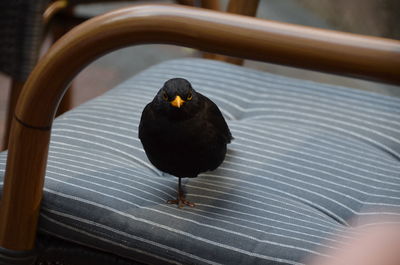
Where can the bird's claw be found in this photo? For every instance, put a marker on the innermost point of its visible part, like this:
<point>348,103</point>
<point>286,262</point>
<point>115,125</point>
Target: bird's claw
<point>181,202</point>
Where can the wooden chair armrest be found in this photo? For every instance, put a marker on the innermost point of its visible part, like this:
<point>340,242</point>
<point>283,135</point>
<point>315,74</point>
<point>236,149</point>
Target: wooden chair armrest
<point>228,34</point>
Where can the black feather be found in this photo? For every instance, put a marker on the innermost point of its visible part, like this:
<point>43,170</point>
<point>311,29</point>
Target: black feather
<point>183,141</point>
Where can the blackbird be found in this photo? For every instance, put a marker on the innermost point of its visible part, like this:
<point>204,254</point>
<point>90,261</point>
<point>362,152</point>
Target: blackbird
<point>183,133</point>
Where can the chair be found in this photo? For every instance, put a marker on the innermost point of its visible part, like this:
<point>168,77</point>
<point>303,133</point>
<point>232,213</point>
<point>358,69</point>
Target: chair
<point>309,160</point>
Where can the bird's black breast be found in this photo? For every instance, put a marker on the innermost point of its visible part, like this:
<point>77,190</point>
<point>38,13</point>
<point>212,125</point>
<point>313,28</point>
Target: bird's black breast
<point>185,147</point>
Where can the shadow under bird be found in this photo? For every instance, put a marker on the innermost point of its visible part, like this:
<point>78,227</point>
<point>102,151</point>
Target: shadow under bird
<point>183,133</point>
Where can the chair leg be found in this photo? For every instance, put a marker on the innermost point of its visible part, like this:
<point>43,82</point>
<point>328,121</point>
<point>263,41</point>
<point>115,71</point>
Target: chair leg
<point>186,2</point>
<point>210,4</point>
<point>16,88</point>
<point>241,7</point>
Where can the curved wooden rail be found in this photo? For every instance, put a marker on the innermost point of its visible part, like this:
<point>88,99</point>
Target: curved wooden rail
<point>54,8</point>
<point>211,31</point>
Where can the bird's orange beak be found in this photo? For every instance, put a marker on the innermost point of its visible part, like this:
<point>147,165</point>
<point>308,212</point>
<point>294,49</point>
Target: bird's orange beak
<point>177,102</point>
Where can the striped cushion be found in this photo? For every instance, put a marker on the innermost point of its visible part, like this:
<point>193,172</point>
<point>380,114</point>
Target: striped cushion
<point>308,161</point>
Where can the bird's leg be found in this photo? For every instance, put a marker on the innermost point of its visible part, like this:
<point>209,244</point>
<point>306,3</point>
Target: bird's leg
<point>181,200</point>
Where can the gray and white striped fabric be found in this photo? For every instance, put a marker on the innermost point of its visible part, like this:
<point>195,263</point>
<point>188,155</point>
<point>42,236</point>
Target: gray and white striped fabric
<point>308,161</point>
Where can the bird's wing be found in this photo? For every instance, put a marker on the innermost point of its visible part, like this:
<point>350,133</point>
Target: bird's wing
<point>215,117</point>
<point>147,115</point>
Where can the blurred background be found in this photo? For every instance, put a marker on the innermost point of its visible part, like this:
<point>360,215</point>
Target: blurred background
<point>369,17</point>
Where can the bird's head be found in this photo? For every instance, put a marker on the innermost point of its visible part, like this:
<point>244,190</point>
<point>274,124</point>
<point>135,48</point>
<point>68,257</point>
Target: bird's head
<point>177,97</point>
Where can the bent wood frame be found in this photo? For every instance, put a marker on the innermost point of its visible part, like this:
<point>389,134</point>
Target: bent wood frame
<point>210,31</point>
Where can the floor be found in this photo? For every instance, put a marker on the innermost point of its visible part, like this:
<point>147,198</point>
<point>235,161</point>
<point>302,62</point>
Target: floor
<point>113,68</point>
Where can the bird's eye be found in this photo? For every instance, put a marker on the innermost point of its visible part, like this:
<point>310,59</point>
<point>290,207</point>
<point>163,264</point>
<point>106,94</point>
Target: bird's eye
<point>165,96</point>
<point>189,96</point>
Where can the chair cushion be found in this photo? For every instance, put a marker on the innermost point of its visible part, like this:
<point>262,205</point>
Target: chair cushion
<point>308,161</point>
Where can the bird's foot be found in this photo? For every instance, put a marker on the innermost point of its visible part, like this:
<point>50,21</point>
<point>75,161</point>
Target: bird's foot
<point>181,202</point>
